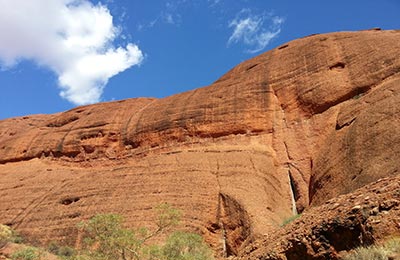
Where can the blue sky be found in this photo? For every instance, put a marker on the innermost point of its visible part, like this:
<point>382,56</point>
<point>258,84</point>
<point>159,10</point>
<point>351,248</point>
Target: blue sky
<point>57,54</point>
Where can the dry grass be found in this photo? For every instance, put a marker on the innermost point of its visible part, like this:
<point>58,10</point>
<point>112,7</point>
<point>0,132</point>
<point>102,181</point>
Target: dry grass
<point>389,250</point>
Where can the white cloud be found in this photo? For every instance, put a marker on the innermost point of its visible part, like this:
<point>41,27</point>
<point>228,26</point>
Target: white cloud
<point>168,18</point>
<point>214,2</point>
<point>170,15</point>
<point>252,30</point>
<point>73,38</point>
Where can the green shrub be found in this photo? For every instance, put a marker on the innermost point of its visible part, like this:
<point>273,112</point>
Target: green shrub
<point>17,238</point>
<point>186,246</point>
<point>8,235</point>
<point>5,235</point>
<point>168,217</point>
<point>106,238</point>
<point>66,251</point>
<point>63,251</point>
<point>27,253</point>
<point>105,233</point>
<point>290,219</point>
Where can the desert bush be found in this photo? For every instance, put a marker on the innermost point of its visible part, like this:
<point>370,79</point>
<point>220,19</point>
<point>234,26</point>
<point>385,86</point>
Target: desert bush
<point>62,251</point>
<point>8,235</point>
<point>367,253</point>
<point>27,253</point>
<point>186,246</point>
<point>290,219</point>
<point>393,245</point>
<point>104,233</point>
<point>376,252</point>
<point>105,238</point>
<point>5,235</point>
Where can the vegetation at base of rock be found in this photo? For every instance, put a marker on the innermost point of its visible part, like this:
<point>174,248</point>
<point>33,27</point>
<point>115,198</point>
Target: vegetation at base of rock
<point>62,251</point>
<point>8,235</point>
<point>389,250</point>
<point>111,240</point>
<point>27,253</point>
<point>105,238</point>
<point>185,246</point>
<point>290,219</point>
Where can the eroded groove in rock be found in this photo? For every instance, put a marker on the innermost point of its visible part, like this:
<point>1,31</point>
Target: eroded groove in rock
<point>235,225</point>
<point>293,193</point>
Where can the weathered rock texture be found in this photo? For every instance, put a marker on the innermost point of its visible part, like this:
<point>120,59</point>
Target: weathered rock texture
<point>298,125</point>
<point>366,216</point>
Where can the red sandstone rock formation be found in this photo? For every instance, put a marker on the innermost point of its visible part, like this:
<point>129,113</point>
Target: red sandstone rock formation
<point>293,127</point>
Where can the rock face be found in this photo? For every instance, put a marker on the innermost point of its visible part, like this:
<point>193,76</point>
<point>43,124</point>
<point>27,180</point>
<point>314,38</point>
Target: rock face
<point>293,127</point>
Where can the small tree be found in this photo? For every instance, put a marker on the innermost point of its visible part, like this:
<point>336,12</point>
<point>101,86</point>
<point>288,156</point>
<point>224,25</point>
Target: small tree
<point>108,239</point>
<point>105,238</point>
<point>168,217</point>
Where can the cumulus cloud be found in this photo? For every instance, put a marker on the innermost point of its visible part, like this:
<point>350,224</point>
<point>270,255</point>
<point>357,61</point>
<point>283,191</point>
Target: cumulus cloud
<point>73,38</point>
<point>255,31</point>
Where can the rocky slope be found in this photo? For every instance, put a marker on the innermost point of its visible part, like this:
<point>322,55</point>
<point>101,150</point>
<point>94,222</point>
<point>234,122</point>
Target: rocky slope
<point>292,128</point>
<point>366,216</point>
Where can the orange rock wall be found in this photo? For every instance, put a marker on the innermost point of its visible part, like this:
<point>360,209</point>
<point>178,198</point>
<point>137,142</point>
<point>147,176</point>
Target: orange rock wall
<point>314,118</point>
